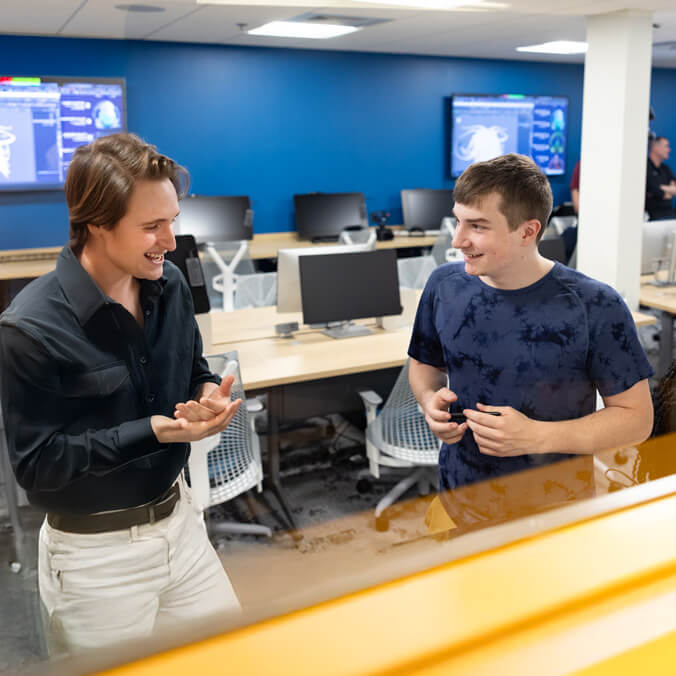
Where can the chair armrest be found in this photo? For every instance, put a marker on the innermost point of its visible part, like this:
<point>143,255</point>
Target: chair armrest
<point>254,405</point>
<point>371,402</point>
<point>370,398</point>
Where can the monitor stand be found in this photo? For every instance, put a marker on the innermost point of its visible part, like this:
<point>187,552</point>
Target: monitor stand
<point>347,330</point>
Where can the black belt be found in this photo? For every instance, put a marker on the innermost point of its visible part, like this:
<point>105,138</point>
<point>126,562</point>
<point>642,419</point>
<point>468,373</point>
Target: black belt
<point>119,519</point>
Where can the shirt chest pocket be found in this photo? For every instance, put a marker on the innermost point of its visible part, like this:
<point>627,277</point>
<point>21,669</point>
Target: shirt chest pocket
<point>102,381</point>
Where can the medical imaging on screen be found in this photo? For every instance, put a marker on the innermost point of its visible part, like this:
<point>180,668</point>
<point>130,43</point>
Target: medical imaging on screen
<point>484,127</point>
<point>42,123</point>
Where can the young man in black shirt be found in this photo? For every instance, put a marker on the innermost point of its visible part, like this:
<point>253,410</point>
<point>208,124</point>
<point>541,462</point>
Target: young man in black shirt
<point>102,372</point>
<point>660,181</point>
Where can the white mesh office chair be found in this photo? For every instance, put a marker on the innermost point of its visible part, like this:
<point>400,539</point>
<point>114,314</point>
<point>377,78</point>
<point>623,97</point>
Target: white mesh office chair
<point>257,290</point>
<point>561,223</point>
<point>226,465</point>
<point>232,260</point>
<point>414,271</point>
<point>398,437</point>
<point>442,250</point>
<point>361,236</point>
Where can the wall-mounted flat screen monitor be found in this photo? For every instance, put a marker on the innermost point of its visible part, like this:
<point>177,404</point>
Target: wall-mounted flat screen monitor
<point>336,288</point>
<point>323,216</point>
<point>288,271</point>
<point>43,121</point>
<point>486,126</point>
<point>426,208</point>
<point>211,218</point>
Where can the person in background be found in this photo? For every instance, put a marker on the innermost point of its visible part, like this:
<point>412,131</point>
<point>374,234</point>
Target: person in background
<point>660,181</point>
<point>519,345</point>
<point>104,386</point>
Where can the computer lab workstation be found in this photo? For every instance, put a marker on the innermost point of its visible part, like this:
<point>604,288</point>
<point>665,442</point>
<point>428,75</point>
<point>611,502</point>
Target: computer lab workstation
<point>259,218</point>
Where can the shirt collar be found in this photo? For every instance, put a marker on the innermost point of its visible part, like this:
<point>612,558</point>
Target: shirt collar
<point>82,292</point>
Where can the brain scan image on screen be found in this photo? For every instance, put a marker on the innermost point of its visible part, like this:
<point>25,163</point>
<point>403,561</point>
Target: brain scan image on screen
<point>107,115</point>
<point>6,140</point>
<point>478,143</point>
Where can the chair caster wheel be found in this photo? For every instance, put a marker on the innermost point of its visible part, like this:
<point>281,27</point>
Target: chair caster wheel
<point>382,524</point>
<point>363,486</point>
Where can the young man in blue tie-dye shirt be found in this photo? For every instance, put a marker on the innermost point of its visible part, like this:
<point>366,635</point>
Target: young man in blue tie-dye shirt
<point>522,336</point>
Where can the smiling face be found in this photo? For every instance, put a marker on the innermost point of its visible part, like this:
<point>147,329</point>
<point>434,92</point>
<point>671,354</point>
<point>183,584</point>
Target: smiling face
<point>490,248</point>
<point>136,245</point>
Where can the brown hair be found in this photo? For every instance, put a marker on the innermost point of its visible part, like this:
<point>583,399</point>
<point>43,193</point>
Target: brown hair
<point>524,190</point>
<point>102,176</point>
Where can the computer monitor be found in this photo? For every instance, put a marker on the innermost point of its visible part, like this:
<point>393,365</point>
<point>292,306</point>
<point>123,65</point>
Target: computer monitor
<point>44,120</point>
<point>486,126</point>
<point>655,245</point>
<point>186,258</point>
<point>426,208</point>
<point>288,274</point>
<point>212,219</point>
<point>339,288</point>
<point>323,216</point>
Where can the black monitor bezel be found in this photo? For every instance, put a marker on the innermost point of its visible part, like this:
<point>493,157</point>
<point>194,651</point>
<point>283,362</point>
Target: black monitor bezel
<point>329,315</point>
<point>303,232</point>
<point>404,208</point>
<point>195,196</point>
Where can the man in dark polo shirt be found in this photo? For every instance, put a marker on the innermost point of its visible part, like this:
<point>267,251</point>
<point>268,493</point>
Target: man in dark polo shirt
<point>102,372</point>
<point>660,181</point>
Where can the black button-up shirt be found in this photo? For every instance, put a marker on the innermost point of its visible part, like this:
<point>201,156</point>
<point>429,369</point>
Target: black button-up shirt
<point>80,380</point>
<point>655,203</point>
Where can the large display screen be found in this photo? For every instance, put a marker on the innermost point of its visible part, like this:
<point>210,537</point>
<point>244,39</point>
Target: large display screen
<point>43,121</point>
<point>484,127</point>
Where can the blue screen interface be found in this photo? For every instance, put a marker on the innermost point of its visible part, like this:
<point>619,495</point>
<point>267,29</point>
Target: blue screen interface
<point>42,123</point>
<point>484,127</point>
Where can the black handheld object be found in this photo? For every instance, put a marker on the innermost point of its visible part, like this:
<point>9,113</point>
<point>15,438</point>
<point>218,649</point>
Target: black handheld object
<point>461,417</point>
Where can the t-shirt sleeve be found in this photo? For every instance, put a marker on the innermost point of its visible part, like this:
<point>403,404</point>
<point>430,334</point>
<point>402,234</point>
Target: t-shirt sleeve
<point>425,345</point>
<point>616,359</point>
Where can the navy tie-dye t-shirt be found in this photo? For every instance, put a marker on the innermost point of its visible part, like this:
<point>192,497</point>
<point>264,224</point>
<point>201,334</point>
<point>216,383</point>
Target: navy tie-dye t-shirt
<point>544,350</point>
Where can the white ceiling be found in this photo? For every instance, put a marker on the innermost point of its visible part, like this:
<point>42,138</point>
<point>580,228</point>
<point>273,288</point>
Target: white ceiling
<point>470,32</point>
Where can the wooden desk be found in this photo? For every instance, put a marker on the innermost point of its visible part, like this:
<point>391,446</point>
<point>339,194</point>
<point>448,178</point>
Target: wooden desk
<point>662,298</point>
<point>266,245</point>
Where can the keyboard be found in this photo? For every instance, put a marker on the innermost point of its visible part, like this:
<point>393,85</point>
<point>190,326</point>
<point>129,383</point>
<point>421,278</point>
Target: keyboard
<point>28,255</point>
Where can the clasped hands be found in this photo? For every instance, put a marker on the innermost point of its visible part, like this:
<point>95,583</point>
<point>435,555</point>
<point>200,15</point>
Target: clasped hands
<point>195,420</point>
<point>509,434</point>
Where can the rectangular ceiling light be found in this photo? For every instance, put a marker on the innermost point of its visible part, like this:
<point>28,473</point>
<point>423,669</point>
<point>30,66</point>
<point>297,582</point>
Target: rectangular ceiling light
<point>439,4</point>
<point>556,47</point>
<point>302,29</point>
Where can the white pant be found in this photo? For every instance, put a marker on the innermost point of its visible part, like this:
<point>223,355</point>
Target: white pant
<point>104,588</point>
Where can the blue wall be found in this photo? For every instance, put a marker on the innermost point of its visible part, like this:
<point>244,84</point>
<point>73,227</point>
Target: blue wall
<point>271,123</point>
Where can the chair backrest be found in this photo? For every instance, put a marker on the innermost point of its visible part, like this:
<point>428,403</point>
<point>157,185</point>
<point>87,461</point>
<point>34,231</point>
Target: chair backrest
<point>361,236</point>
<point>442,246</point>
<point>257,290</point>
<point>559,224</point>
<point>401,430</point>
<point>414,271</point>
<point>224,466</point>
